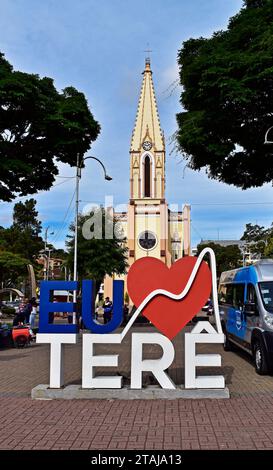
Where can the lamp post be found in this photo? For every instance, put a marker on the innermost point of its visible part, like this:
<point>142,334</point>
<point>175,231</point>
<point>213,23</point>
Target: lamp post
<point>47,257</point>
<point>46,231</point>
<point>78,177</point>
<point>48,264</point>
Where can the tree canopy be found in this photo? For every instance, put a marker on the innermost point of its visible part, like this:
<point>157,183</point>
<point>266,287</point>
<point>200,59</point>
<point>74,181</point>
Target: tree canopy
<point>39,127</point>
<point>259,240</point>
<point>12,267</point>
<point>23,236</point>
<point>228,99</point>
<point>97,256</point>
<point>21,244</point>
<point>227,257</point>
<point>25,217</point>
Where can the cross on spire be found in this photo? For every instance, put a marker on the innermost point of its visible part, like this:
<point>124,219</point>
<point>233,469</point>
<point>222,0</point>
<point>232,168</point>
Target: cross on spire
<point>148,51</point>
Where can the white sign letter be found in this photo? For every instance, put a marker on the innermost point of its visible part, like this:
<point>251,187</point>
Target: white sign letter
<point>89,361</point>
<point>156,366</point>
<point>56,342</point>
<point>193,360</point>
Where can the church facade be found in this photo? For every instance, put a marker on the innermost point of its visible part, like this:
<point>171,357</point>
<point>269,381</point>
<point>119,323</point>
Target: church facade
<point>150,227</point>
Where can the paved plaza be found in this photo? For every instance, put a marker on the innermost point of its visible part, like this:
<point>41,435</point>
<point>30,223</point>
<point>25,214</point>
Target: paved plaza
<point>245,421</point>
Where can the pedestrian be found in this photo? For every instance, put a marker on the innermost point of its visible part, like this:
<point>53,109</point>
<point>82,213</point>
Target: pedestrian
<point>125,313</point>
<point>70,317</point>
<point>107,310</point>
<point>33,312</point>
<point>27,310</point>
<point>97,312</point>
<point>20,315</point>
<point>52,314</point>
<point>79,312</point>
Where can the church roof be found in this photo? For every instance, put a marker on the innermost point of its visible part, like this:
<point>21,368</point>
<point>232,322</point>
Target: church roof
<point>147,125</point>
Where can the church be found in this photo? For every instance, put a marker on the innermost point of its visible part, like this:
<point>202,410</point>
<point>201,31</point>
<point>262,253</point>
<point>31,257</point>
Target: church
<point>150,227</point>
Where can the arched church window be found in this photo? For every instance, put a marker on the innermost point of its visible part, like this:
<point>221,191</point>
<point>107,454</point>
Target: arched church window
<point>147,177</point>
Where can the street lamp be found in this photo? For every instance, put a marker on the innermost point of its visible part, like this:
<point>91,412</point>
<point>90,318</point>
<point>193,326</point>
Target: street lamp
<point>52,233</point>
<point>48,263</point>
<point>46,270</point>
<point>78,177</point>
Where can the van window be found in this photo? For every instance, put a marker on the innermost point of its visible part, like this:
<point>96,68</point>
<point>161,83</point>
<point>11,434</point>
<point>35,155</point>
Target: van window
<point>226,294</point>
<point>251,294</point>
<point>238,295</point>
<point>222,293</point>
<point>266,289</point>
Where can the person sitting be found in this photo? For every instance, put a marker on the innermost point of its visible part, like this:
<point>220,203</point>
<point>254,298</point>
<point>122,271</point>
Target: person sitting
<point>21,314</point>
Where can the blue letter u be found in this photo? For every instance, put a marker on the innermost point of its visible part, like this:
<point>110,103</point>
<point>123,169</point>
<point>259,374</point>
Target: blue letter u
<point>88,308</point>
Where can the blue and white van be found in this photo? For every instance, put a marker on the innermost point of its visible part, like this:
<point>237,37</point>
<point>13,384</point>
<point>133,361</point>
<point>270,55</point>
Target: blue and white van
<point>246,311</point>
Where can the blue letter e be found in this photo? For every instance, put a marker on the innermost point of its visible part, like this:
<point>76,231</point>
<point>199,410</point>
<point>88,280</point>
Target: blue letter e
<point>47,307</point>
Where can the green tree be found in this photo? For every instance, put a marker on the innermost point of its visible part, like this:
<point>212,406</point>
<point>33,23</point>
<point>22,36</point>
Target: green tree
<point>227,257</point>
<point>268,250</point>
<point>59,253</point>
<point>259,240</point>
<point>25,217</point>
<point>254,233</point>
<point>12,266</point>
<point>228,98</point>
<point>23,237</point>
<point>39,127</point>
<point>97,256</point>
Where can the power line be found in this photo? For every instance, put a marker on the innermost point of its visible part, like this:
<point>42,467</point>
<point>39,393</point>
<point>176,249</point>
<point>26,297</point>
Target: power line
<point>61,230</point>
<point>196,231</point>
<point>19,198</point>
<point>230,203</point>
<point>62,182</point>
<point>64,177</point>
<point>62,223</point>
<point>89,202</point>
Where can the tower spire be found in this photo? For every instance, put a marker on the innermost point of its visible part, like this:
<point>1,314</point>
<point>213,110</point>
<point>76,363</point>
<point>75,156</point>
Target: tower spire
<point>147,124</point>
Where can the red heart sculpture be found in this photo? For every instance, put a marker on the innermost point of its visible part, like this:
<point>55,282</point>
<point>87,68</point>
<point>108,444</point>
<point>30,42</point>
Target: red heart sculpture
<point>169,316</point>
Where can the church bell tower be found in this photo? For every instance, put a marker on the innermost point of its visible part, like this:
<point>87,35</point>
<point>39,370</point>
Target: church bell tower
<point>148,212</point>
<point>147,151</point>
<point>151,228</point>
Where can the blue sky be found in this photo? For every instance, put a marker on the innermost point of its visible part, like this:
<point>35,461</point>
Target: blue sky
<point>98,47</point>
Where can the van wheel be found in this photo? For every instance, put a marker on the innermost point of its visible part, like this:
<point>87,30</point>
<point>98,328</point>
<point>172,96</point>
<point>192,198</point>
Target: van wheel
<point>260,360</point>
<point>228,346</point>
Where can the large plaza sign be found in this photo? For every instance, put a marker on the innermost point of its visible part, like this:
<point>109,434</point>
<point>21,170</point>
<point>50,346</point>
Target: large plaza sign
<point>168,298</point>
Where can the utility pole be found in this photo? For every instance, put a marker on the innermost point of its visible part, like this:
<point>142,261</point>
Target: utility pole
<point>47,265</point>
<point>76,223</point>
<point>46,260</point>
<point>75,274</point>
